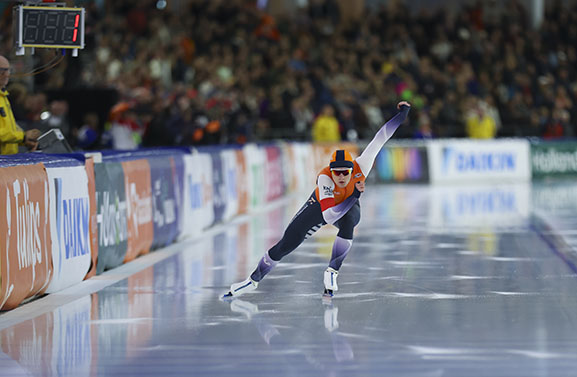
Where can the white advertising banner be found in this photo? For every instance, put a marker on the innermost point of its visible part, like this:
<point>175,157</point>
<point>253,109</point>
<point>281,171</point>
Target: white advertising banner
<point>69,226</point>
<point>455,161</point>
<point>198,195</point>
<point>231,179</point>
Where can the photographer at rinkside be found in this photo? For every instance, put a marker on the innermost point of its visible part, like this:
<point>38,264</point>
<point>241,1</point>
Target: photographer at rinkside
<point>11,135</point>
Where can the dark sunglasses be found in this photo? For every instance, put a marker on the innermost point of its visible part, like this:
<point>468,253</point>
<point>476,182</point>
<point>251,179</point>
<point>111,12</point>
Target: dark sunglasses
<point>341,172</point>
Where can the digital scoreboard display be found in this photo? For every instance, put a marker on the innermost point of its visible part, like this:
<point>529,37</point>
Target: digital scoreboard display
<point>49,27</point>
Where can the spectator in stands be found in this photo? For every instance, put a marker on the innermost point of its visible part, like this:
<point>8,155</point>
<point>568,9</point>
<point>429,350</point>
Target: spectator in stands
<point>480,123</point>
<point>11,135</point>
<point>559,126</point>
<point>326,127</point>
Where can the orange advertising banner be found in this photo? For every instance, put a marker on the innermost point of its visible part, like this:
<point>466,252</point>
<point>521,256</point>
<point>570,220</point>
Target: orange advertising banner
<point>242,184</point>
<point>26,246</point>
<point>89,166</point>
<point>139,208</point>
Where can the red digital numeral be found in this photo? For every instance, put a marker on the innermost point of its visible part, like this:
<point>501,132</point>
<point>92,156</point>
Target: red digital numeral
<point>76,20</point>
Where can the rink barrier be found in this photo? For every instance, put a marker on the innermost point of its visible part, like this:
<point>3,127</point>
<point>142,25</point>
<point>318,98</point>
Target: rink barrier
<point>142,200</point>
<point>69,224</point>
<point>111,215</point>
<point>46,243</point>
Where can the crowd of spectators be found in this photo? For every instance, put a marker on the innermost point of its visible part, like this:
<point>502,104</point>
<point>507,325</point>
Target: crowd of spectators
<point>224,71</point>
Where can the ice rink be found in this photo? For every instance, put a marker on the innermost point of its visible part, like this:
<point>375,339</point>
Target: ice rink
<point>441,281</point>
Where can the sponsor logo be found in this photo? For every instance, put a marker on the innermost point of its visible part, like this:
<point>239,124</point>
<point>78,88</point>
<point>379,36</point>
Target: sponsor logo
<point>358,175</point>
<point>72,218</point>
<point>28,223</point>
<point>555,161</point>
<point>164,210</point>
<point>111,219</point>
<point>195,193</point>
<point>327,191</point>
<point>139,208</point>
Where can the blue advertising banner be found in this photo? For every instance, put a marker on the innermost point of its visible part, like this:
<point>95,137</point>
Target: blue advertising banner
<point>163,201</point>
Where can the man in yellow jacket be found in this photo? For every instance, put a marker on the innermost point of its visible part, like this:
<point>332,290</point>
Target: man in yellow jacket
<point>11,135</point>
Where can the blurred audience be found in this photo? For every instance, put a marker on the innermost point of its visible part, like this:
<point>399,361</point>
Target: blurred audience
<point>223,71</point>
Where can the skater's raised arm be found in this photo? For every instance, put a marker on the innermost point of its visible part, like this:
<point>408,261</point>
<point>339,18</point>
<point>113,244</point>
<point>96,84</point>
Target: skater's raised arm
<point>367,158</point>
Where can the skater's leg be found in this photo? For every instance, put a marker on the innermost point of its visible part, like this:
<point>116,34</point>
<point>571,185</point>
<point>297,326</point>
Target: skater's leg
<point>304,224</point>
<point>265,265</point>
<point>307,221</point>
<point>344,239</point>
<point>341,247</point>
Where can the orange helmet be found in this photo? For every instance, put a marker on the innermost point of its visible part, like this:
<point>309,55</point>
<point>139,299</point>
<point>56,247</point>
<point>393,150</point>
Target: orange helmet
<point>341,159</point>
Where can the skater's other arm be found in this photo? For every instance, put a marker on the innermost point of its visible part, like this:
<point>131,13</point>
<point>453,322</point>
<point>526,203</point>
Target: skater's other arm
<point>367,158</point>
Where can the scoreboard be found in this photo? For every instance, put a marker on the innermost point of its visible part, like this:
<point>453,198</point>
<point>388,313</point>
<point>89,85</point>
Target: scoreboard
<point>48,27</point>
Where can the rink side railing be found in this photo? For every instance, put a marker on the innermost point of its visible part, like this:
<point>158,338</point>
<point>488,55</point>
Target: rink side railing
<point>65,218</point>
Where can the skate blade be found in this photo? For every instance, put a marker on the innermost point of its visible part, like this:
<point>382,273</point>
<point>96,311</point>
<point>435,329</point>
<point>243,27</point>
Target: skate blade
<point>227,296</point>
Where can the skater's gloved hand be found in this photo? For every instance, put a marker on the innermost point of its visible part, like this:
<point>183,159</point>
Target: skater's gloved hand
<point>403,105</point>
<point>359,188</point>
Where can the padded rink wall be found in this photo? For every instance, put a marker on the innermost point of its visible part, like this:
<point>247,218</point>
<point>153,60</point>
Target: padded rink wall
<point>66,218</point>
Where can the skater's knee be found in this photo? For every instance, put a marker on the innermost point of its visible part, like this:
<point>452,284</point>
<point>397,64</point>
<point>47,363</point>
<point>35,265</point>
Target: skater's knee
<point>346,233</point>
<point>346,229</point>
<point>275,254</point>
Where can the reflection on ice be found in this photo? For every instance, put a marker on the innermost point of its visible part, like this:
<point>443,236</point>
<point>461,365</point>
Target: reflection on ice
<point>277,336</point>
<point>464,206</point>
